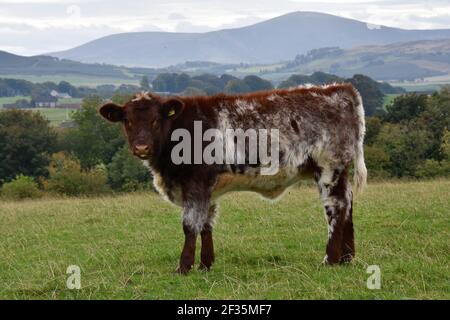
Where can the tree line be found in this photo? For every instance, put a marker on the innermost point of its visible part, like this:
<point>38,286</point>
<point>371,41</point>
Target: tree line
<point>371,91</point>
<point>20,87</point>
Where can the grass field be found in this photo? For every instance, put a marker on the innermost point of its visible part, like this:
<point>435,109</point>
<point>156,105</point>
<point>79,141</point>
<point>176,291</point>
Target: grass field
<point>7,100</point>
<point>54,115</point>
<point>127,247</point>
<point>388,98</point>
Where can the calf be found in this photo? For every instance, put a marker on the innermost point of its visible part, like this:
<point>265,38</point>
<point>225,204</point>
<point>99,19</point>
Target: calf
<point>319,132</point>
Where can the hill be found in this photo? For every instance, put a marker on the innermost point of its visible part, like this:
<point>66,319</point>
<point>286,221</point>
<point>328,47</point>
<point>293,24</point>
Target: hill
<point>399,61</point>
<point>11,64</point>
<point>270,41</point>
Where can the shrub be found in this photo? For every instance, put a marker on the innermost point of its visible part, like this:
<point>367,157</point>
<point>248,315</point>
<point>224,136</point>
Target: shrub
<point>377,161</point>
<point>67,178</point>
<point>445,145</point>
<point>126,173</point>
<point>21,187</point>
<point>431,168</point>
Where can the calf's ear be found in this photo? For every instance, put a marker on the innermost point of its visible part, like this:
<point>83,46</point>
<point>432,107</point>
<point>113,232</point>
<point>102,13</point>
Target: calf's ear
<point>172,108</point>
<point>112,112</point>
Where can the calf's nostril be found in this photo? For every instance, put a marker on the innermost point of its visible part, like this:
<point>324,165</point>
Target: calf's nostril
<point>141,148</point>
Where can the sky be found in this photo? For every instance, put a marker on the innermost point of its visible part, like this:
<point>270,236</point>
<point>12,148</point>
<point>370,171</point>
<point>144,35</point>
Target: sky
<point>29,27</point>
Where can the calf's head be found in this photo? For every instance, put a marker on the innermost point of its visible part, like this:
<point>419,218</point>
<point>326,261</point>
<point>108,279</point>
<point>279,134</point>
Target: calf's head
<point>146,120</point>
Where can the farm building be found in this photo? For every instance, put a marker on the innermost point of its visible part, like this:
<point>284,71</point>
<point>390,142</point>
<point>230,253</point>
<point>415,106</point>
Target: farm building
<point>45,101</point>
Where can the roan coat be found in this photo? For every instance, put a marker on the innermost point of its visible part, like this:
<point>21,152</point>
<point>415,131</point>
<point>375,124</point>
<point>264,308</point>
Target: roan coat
<point>320,133</point>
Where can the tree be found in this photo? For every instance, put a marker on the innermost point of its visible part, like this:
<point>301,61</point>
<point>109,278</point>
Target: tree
<point>182,82</point>
<point>371,94</point>
<point>126,173</point>
<point>373,127</point>
<point>405,108</point>
<point>93,141</point>
<point>26,142</point>
<point>436,119</point>
<point>165,82</point>
<point>236,86</point>
<point>66,87</point>
<point>145,85</point>
<point>405,145</point>
<point>257,84</point>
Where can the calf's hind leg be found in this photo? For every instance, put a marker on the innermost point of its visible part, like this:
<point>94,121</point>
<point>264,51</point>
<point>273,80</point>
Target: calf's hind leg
<point>336,194</point>
<point>207,253</point>
<point>348,243</point>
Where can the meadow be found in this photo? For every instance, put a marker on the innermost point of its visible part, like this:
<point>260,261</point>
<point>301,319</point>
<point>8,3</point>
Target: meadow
<point>128,246</point>
<point>388,99</point>
<point>7,100</point>
<point>55,115</point>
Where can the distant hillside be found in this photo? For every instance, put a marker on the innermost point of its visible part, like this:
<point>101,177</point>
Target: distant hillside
<point>11,64</point>
<point>400,61</point>
<point>270,41</point>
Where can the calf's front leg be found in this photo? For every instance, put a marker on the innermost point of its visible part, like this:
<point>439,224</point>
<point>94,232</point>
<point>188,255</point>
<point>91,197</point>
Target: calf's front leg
<point>188,254</point>
<point>195,217</point>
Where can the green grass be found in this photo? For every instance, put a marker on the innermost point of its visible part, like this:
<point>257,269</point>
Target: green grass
<point>128,246</point>
<point>388,98</point>
<point>54,115</point>
<point>8,100</point>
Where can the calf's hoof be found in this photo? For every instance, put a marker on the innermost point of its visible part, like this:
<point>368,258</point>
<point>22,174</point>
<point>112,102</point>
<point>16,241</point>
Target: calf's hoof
<point>183,270</point>
<point>204,267</point>
<point>328,262</point>
<point>347,258</point>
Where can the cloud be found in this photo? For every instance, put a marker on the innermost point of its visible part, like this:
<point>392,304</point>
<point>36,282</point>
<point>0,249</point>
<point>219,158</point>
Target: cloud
<point>176,16</point>
<point>33,26</point>
<point>186,26</point>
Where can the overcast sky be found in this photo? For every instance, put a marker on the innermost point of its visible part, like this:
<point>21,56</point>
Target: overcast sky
<point>38,26</point>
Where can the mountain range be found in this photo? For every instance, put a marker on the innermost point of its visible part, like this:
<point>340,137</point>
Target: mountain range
<point>277,39</point>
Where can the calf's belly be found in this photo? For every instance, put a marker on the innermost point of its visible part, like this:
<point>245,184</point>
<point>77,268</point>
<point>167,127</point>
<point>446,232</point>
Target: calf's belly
<point>269,186</point>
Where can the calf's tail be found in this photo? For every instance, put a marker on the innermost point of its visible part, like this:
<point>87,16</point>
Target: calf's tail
<point>360,170</point>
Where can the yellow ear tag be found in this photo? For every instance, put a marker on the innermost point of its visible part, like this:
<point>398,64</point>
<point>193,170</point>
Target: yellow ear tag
<point>171,113</point>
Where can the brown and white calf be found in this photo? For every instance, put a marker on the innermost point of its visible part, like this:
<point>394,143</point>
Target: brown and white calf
<point>320,134</point>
